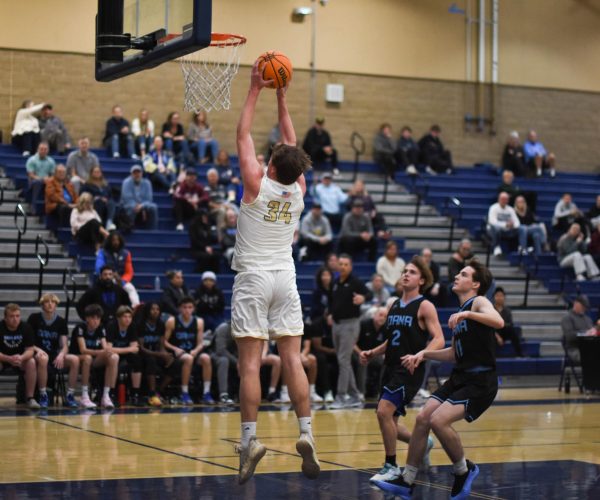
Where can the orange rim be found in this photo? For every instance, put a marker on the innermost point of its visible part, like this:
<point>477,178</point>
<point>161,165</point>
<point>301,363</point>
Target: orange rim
<point>217,39</point>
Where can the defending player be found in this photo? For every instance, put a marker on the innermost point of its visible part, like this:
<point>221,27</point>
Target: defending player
<point>469,391</point>
<point>265,301</point>
<point>411,322</point>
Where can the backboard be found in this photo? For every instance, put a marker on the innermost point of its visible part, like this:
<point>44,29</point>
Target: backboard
<point>133,35</point>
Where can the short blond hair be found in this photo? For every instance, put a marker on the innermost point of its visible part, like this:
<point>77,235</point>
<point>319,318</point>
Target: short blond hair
<point>11,307</point>
<point>49,297</point>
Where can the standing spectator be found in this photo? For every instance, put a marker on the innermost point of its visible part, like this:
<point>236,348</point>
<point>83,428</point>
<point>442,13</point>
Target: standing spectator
<point>86,224</point>
<point>348,293</point>
<point>203,243</point>
<point>174,137</point>
<point>435,293</point>
<point>319,147</point>
<point>332,198</point>
<point>566,213</point>
<point>117,136</point>
<point>53,130</point>
<point>531,228</point>
<point>369,338</point>
<point>433,154</point>
<point>26,129</point>
<point>225,348</point>
<point>508,331</point>
<point>384,150</point>
<point>502,221</point>
<point>142,128</point>
<point>80,163</point>
<point>136,199</point>
<point>572,252</point>
<point>160,166</point>
<point>390,266</point>
<point>357,233</point>
<point>17,355</point>
<point>380,296</point>
<point>228,235</point>
<point>188,198</point>
<point>218,197</point>
<point>173,293</point>
<point>106,293</point>
<point>358,191</point>
<point>513,156</point>
<point>407,151</point>
<point>226,175</point>
<point>210,301</point>
<point>102,197</point>
<point>575,322</point>
<point>40,167</point>
<point>316,235</point>
<point>201,138</point>
<point>536,156</point>
<point>459,259</point>
<point>115,255</point>
<point>60,196</point>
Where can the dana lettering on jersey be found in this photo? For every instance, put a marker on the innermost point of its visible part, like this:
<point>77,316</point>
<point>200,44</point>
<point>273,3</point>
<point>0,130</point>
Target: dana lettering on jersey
<point>400,320</point>
<point>461,327</point>
<point>13,340</point>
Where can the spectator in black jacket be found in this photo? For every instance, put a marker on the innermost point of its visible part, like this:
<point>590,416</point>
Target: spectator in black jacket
<point>357,232</point>
<point>318,146</point>
<point>433,154</point>
<point>173,293</point>
<point>106,293</point>
<point>203,241</point>
<point>384,150</point>
<point>436,293</point>
<point>210,301</point>
<point>369,338</point>
<point>118,138</point>
<point>513,158</point>
<point>508,332</point>
<point>407,151</point>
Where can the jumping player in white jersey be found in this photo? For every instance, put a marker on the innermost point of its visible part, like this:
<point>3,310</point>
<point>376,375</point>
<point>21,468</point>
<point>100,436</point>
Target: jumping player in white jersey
<point>265,301</point>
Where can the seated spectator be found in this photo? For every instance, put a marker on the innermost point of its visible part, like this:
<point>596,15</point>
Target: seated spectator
<point>369,338</point>
<point>102,197</point>
<point>53,130</point>
<point>136,199</point>
<point>17,355</point>
<point>40,167</point>
<point>115,255</point>
<point>593,214</point>
<point>508,186</point>
<point>566,213</point>
<point>536,156</point>
<point>88,343</point>
<point>188,198</point>
<point>159,165</point>
<point>174,137</point>
<point>201,139</point>
<point>227,235</point>
<point>433,154</point>
<point>459,259</point>
<point>397,293</point>
<point>576,322</point>
<point>594,246</point>
<point>532,229</point>
<point>273,140</point>
<point>407,151</point>
<point>210,301</point>
<point>572,252</point>
<point>219,199</point>
<point>184,337</point>
<point>390,266</point>
<point>52,338</point>
<point>321,295</point>
<point>106,293</point>
<point>513,157</point>
<point>384,150</point>
<point>508,331</point>
<point>118,139</point>
<point>435,293</point>
<point>356,234</point>
<point>80,163</point>
<point>142,128</point>
<point>204,243</point>
<point>60,196</point>
<point>315,234</point>
<point>317,144</point>
<point>380,296</point>
<point>122,340</point>
<point>173,293</point>
<point>332,263</point>
<point>359,192</point>
<point>332,199</point>
<point>270,358</point>
<point>226,174</point>
<point>26,129</point>
<point>502,221</point>
<point>86,224</point>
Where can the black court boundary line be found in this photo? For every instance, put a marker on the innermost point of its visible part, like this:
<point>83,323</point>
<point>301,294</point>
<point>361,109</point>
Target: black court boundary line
<point>129,441</point>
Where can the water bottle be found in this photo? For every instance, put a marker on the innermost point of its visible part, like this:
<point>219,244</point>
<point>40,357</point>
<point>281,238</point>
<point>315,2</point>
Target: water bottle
<point>567,384</point>
<point>157,283</point>
<point>122,390</point>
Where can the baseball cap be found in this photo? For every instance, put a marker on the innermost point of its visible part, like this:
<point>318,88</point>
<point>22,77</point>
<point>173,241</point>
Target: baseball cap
<point>320,120</point>
<point>190,171</point>
<point>316,204</point>
<point>136,168</point>
<point>327,175</point>
<point>209,275</point>
<point>358,203</point>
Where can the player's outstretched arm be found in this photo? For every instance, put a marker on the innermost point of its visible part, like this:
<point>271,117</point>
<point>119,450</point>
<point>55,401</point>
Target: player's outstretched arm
<point>366,356</point>
<point>286,127</point>
<point>484,312</point>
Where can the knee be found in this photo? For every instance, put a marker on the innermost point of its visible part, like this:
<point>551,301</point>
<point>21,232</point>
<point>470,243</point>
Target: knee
<point>187,359</point>
<point>437,422</point>
<point>41,359</point>
<point>113,359</point>
<point>423,420</point>
<point>86,360</point>
<point>204,359</point>
<point>73,361</point>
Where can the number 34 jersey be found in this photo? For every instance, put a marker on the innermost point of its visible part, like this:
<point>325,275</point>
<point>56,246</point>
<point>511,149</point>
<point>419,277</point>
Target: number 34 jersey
<point>265,228</point>
<point>403,333</point>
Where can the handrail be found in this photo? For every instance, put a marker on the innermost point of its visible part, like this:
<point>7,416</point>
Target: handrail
<point>357,143</point>
<point>42,260</point>
<point>456,204</point>
<point>68,272</point>
<point>421,193</point>
<point>19,211</point>
<point>1,194</point>
<point>528,277</point>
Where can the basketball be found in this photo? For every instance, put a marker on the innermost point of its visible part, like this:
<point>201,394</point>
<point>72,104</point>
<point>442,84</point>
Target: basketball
<point>277,67</point>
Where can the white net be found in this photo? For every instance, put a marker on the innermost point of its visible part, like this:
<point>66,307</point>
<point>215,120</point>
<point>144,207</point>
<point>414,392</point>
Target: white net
<point>208,73</point>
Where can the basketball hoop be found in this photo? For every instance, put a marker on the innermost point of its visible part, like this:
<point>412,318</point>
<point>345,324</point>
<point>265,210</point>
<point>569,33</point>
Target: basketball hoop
<point>208,73</point>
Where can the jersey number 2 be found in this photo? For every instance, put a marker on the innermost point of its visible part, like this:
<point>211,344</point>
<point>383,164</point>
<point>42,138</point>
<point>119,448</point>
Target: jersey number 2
<point>396,337</point>
<point>278,212</point>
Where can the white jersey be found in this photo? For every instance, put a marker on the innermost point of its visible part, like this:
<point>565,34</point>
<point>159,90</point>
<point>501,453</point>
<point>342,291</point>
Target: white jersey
<point>265,228</point>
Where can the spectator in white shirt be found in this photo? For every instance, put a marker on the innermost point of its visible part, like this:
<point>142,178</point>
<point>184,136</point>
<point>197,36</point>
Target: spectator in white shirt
<point>502,221</point>
<point>332,199</point>
<point>390,265</point>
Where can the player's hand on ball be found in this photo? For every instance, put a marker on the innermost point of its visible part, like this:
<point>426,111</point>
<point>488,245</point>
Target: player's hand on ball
<point>256,79</point>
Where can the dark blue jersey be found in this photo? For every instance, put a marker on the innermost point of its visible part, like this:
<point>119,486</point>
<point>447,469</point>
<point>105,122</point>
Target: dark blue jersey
<point>151,335</point>
<point>474,343</point>
<point>47,333</point>
<point>92,339</point>
<point>184,336</point>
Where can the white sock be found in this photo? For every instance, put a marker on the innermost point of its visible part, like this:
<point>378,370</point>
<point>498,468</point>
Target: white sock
<point>271,390</point>
<point>460,467</point>
<point>184,389</point>
<point>84,391</point>
<point>105,392</point>
<point>42,390</point>
<point>409,474</point>
<point>70,391</point>
<point>206,387</point>
<point>312,388</point>
<point>305,424</point>
<point>284,389</point>
<point>248,431</point>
